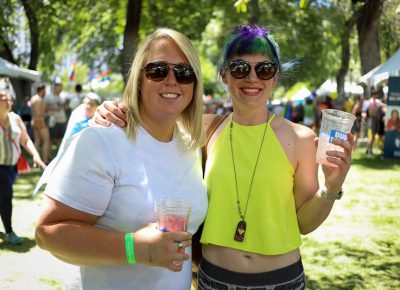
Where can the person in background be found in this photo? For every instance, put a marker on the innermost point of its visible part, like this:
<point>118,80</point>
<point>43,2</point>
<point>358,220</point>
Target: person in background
<point>349,103</point>
<point>13,134</point>
<point>81,115</point>
<point>309,113</point>
<point>278,109</point>
<point>299,113</point>
<point>99,213</point>
<point>57,120</point>
<point>77,98</point>
<point>25,112</point>
<point>261,176</point>
<point>357,112</point>
<point>373,119</point>
<point>40,129</point>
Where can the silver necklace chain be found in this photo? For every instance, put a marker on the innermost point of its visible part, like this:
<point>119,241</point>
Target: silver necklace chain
<point>254,171</point>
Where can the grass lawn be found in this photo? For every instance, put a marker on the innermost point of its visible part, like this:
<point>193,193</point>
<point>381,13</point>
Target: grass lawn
<point>358,246</point>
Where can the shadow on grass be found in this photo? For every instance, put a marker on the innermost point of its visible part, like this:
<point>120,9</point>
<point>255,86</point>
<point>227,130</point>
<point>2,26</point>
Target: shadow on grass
<point>337,282</point>
<point>379,264</point>
<point>26,246</point>
<point>24,196</point>
<point>375,162</point>
<point>25,184</point>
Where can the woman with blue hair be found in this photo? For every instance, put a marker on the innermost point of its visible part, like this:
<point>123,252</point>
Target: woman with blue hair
<point>261,176</point>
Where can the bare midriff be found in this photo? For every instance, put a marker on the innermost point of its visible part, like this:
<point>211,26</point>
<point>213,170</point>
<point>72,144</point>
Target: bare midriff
<point>246,262</point>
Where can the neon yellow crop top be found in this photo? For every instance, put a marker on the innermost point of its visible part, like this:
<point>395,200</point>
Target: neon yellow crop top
<point>271,214</point>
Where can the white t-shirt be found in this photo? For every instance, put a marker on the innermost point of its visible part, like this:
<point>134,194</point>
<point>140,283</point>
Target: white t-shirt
<point>56,104</point>
<point>105,174</point>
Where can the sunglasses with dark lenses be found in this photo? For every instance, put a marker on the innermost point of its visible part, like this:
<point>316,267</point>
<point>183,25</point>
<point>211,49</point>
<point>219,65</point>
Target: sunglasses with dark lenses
<point>240,69</point>
<point>158,71</point>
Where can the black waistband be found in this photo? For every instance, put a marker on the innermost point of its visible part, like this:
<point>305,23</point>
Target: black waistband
<point>277,276</point>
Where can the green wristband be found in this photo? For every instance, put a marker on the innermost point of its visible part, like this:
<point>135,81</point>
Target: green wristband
<point>129,249</point>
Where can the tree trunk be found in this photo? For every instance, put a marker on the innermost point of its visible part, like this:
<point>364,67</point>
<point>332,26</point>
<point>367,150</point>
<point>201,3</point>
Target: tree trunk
<point>22,87</point>
<point>130,35</point>
<point>34,34</point>
<point>345,56</point>
<point>255,12</point>
<point>368,36</point>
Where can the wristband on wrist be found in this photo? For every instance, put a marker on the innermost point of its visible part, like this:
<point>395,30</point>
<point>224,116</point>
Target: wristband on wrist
<point>129,249</point>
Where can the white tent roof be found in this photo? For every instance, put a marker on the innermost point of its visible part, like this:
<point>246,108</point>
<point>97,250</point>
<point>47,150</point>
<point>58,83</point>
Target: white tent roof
<point>11,70</point>
<point>391,66</point>
<point>301,94</point>
<point>366,79</point>
<point>329,87</point>
<point>383,71</point>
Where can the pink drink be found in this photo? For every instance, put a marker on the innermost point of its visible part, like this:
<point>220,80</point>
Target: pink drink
<point>172,214</point>
<point>171,223</point>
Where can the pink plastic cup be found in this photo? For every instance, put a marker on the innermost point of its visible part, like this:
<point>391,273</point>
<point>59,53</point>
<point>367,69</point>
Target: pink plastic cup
<point>172,214</point>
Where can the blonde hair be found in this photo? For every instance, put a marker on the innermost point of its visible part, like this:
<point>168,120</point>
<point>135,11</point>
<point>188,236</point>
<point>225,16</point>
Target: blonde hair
<point>190,120</point>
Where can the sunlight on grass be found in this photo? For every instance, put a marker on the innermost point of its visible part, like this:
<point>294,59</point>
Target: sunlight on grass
<point>358,246</point>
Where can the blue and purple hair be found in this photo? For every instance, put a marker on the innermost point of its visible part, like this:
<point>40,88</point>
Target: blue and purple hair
<point>250,39</point>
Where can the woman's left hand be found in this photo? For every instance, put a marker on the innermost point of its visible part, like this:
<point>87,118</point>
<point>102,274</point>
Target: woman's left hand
<point>335,176</point>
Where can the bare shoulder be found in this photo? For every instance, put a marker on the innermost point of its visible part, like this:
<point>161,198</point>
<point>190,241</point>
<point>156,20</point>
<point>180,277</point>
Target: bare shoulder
<point>295,139</point>
<point>36,100</point>
<point>294,131</point>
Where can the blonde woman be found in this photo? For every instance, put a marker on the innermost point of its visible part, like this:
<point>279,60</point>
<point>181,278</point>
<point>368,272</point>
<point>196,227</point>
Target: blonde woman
<point>100,195</point>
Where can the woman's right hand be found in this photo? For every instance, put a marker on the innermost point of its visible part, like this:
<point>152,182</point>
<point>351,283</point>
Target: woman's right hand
<point>110,112</point>
<point>156,248</point>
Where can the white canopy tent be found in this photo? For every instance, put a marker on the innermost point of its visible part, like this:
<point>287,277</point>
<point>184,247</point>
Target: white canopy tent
<point>382,72</point>
<point>366,79</point>
<point>300,95</point>
<point>390,68</point>
<point>8,69</point>
<point>329,87</point>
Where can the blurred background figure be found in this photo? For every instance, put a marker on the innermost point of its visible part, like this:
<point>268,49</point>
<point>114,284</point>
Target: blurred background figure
<point>76,99</point>
<point>374,117</point>
<point>38,123</point>
<point>25,112</point>
<point>357,112</point>
<point>13,134</point>
<point>309,113</point>
<point>82,114</point>
<point>57,117</point>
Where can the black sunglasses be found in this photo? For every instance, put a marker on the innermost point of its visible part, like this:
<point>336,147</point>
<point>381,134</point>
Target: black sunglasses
<point>158,71</point>
<point>240,69</point>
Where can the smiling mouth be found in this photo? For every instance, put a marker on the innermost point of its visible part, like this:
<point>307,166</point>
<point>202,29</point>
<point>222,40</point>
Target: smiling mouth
<point>251,91</point>
<point>169,96</point>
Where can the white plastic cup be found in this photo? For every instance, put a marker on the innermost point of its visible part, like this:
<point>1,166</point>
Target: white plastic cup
<point>172,214</point>
<point>335,124</point>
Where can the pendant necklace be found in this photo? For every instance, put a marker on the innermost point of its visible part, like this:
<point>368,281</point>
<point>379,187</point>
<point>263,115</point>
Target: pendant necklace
<point>241,227</point>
